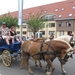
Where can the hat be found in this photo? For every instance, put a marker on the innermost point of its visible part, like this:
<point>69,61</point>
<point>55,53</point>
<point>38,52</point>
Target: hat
<point>3,23</point>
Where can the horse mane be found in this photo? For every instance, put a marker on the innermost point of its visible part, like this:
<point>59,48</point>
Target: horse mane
<point>66,38</point>
<point>64,42</point>
<point>39,39</point>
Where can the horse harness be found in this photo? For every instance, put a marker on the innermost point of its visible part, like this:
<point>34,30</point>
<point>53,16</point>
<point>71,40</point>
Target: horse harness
<point>42,53</point>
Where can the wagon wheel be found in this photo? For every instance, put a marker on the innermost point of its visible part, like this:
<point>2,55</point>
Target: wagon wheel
<point>6,58</point>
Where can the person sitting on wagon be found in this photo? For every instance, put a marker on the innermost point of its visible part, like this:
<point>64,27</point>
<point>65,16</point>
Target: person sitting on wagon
<point>12,34</point>
<point>5,33</point>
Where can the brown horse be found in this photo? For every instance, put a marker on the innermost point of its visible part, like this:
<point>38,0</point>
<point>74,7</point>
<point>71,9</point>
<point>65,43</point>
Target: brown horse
<point>47,51</point>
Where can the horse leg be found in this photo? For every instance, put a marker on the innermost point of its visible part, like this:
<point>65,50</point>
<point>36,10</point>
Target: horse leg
<point>46,67</point>
<point>25,61</point>
<point>22,64</point>
<point>40,63</point>
<point>36,61</point>
<point>49,64</point>
<point>29,69</point>
<point>62,68</point>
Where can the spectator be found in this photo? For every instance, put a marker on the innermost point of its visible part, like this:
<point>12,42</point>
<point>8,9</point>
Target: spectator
<point>27,38</point>
<point>32,38</point>
<point>51,36</point>
<point>5,33</point>
<point>71,34</point>
<point>23,38</point>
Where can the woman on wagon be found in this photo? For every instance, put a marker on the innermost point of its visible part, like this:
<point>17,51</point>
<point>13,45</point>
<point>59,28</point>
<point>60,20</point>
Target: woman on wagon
<point>12,34</point>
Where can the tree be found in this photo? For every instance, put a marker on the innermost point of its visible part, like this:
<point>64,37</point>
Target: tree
<point>35,22</point>
<point>10,21</point>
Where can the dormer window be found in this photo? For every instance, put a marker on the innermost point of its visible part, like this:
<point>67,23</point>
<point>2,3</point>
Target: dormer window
<point>73,7</point>
<point>70,14</point>
<point>62,8</point>
<point>27,14</point>
<point>45,11</point>
<point>56,9</point>
<point>60,15</point>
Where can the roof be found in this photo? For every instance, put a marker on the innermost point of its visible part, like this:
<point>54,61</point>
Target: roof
<point>64,9</point>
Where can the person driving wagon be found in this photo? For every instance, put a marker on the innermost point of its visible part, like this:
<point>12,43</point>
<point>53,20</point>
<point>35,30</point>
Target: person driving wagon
<point>5,33</point>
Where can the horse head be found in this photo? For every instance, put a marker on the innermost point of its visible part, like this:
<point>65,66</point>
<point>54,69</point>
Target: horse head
<point>62,48</point>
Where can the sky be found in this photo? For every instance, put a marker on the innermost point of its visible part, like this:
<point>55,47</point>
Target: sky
<point>12,5</point>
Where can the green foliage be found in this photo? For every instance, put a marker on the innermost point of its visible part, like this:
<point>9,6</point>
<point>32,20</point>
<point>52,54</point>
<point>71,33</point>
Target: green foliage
<point>35,21</point>
<point>10,21</point>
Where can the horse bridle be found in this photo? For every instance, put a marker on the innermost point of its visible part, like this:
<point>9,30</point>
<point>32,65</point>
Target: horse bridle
<point>63,61</point>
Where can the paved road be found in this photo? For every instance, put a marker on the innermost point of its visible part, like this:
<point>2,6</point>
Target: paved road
<point>15,70</point>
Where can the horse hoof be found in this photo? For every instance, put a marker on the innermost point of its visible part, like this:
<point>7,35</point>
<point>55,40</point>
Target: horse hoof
<point>21,67</point>
<point>36,65</point>
<point>40,66</point>
<point>31,72</point>
<point>64,72</point>
<point>48,73</point>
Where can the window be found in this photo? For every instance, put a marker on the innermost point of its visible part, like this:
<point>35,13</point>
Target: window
<point>73,7</point>
<point>24,32</point>
<point>18,32</point>
<point>51,17</point>
<point>61,33</point>
<point>62,8</point>
<point>60,15</point>
<point>27,14</point>
<point>23,26</point>
<point>43,32</point>
<point>46,18</point>
<point>50,32</point>
<point>51,24</point>
<point>56,9</point>
<point>70,14</point>
<point>60,24</point>
<point>45,11</point>
<point>68,24</point>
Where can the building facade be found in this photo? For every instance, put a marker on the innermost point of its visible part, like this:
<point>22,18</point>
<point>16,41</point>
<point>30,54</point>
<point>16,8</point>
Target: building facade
<point>59,19</point>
